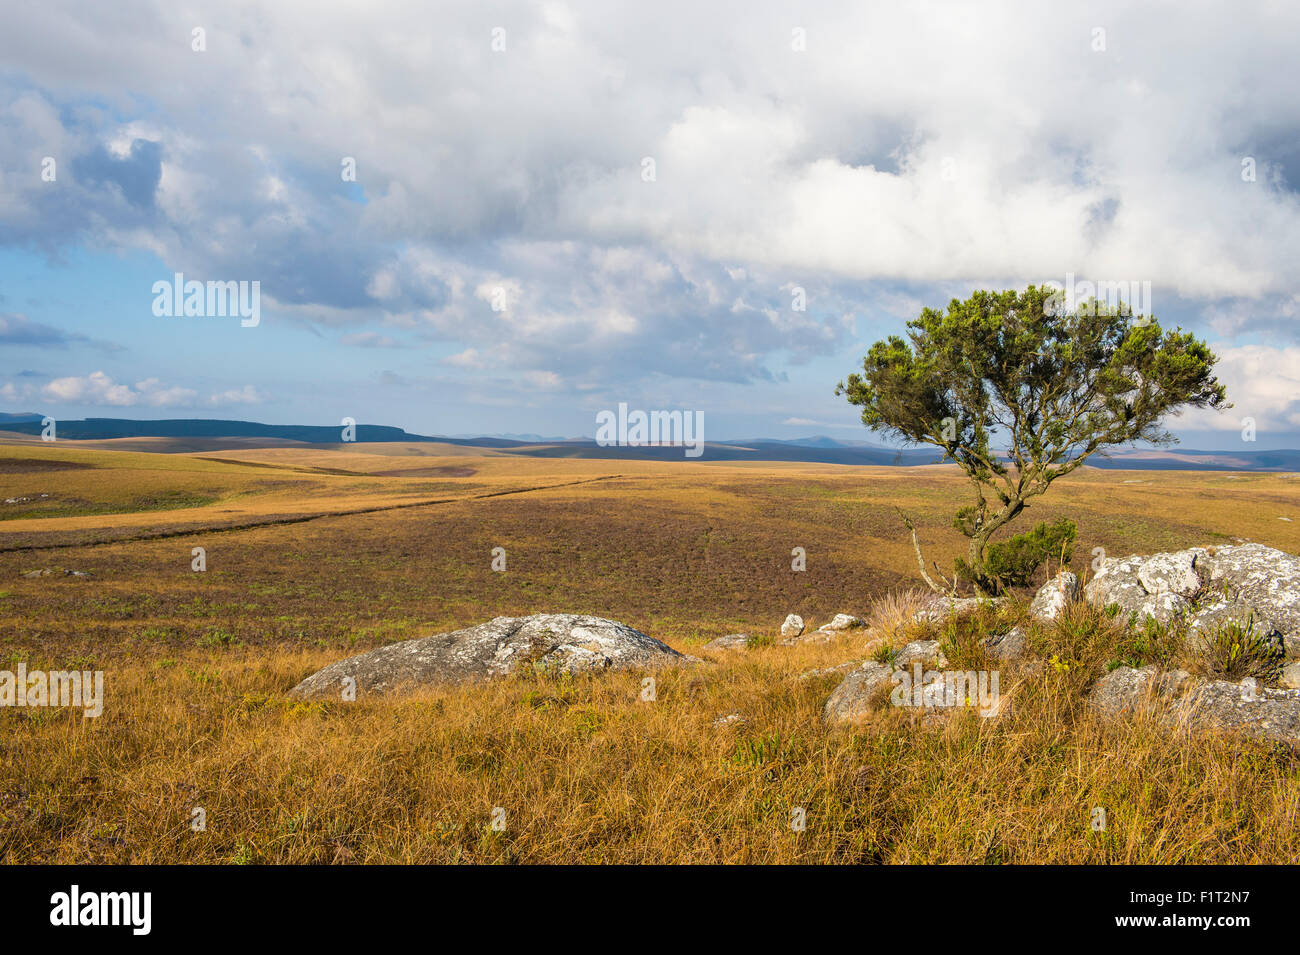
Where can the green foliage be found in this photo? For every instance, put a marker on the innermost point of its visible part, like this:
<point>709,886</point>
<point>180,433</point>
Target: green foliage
<point>1149,642</point>
<point>1014,562</point>
<point>1050,387</point>
<point>1082,637</point>
<point>885,654</point>
<point>1233,652</point>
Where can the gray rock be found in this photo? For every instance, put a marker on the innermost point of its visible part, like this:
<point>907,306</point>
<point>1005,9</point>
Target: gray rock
<point>1231,583</point>
<point>1007,646</point>
<point>1263,579</point>
<point>829,671</point>
<point>1171,573</point>
<point>860,693</point>
<point>569,643</point>
<point>732,641</point>
<point>1053,596</point>
<point>793,626</point>
<point>1117,583</point>
<point>816,636</point>
<point>1202,706</point>
<point>1123,689</point>
<point>842,621</point>
<point>1220,611</point>
<point>945,607</point>
<point>1163,607</point>
<point>924,652</point>
<point>1290,678</point>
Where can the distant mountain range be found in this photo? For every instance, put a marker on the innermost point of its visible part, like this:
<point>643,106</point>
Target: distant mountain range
<point>815,449</point>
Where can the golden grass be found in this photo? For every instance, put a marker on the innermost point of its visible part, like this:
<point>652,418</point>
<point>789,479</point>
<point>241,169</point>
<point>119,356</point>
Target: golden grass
<point>585,771</point>
<point>198,667</point>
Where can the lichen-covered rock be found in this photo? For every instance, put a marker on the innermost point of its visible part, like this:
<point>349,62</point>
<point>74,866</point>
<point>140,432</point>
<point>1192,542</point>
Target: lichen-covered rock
<point>1262,579</point>
<point>1290,678</point>
<point>1007,646</point>
<point>1237,583</point>
<point>1163,607</point>
<point>732,641</point>
<point>1171,573</point>
<point>1053,596</point>
<point>569,643</point>
<point>925,652</point>
<point>1202,706</point>
<point>1117,583</point>
<point>944,607</point>
<point>793,626</point>
<point>1124,689</point>
<point>842,621</point>
<point>812,636</point>
<point>859,694</point>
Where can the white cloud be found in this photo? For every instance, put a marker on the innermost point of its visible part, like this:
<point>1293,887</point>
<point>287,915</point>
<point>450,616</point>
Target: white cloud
<point>97,388</point>
<point>905,156</point>
<point>93,389</point>
<point>247,395</point>
<point>1263,383</point>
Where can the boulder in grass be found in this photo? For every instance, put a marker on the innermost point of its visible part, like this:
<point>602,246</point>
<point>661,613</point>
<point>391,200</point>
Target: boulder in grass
<point>569,643</point>
<point>793,626</point>
<point>732,641</point>
<point>1201,706</point>
<point>1054,595</point>
<point>1207,586</point>
<point>859,694</point>
<point>1007,647</point>
<point>843,621</point>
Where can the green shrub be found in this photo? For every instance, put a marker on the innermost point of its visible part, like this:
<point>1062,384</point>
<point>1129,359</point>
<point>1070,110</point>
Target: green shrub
<point>1150,642</point>
<point>1013,562</point>
<point>1233,652</point>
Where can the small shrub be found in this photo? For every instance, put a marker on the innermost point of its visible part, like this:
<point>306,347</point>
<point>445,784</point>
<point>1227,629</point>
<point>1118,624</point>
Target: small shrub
<point>1149,642</point>
<point>218,638</point>
<point>885,654</point>
<point>1013,562</point>
<point>1081,635</point>
<point>1233,652</point>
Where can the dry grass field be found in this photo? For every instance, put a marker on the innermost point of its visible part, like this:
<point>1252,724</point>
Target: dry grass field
<point>314,553</point>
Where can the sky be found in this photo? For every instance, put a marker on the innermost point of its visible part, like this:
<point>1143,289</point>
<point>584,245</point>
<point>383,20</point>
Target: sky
<point>487,217</point>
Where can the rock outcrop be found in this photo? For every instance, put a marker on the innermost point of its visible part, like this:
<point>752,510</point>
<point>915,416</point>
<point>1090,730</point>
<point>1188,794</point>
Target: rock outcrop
<point>860,693</point>
<point>842,621</point>
<point>1203,706</point>
<point>1007,646</point>
<point>732,641</point>
<point>570,643</point>
<point>1053,596</point>
<point>1207,586</point>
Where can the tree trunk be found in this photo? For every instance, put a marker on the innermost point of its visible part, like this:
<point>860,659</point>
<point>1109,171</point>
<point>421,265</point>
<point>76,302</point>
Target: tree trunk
<point>979,543</point>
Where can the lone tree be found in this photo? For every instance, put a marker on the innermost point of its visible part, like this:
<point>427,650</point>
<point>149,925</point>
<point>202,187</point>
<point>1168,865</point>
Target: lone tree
<point>1019,391</point>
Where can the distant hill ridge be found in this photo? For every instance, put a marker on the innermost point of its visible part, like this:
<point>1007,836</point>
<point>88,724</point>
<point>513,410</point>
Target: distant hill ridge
<point>817,449</point>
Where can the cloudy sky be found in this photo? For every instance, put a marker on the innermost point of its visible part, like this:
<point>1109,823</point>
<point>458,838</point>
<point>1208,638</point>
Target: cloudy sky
<point>561,206</point>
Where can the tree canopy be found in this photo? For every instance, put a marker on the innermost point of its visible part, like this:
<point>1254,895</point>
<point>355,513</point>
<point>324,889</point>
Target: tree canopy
<point>1019,391</point>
